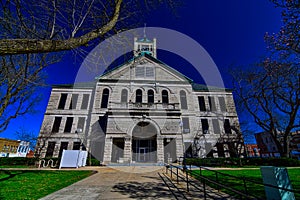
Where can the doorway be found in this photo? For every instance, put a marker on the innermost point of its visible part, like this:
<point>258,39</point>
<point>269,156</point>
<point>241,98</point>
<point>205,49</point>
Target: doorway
<point>144,143</point>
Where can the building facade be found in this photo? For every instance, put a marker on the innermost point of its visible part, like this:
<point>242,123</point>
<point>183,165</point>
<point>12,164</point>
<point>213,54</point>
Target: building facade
<point>141,111</point>
<point>268,148</point>
<point>13,148</point>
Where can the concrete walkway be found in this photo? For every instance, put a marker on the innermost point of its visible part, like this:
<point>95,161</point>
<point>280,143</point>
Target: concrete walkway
<point>117,183</point>
<point>131,182</point>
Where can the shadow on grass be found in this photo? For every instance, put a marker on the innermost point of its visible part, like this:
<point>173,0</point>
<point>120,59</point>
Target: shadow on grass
<point>9,174</point>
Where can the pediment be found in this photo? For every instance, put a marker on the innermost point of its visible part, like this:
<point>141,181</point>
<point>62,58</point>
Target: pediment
<point>144,68</point>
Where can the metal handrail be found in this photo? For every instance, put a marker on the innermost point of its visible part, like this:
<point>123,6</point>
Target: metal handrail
<point>205,180</point>
<point>249,180</point>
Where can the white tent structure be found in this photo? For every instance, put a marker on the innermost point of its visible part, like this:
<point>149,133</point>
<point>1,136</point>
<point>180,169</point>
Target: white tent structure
<point>73,158</point>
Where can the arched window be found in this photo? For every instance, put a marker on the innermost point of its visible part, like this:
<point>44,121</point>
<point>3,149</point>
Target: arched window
<point>183,100</point>
<point>138,96</point>
<point>165,97</point>
<point>105,96</point>
<point>124,95</point>
<point>150,97</point>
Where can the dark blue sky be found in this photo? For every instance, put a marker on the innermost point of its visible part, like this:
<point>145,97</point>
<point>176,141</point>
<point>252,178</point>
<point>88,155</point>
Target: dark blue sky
<point>231,31</point>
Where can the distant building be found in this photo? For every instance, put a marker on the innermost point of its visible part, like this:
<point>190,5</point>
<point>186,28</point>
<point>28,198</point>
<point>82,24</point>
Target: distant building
<point>295,145</point>
<point>141,111</point>
<point>266,145</point>
<point>13,148</point>
<point>268,148</point>
<point>252,150</point>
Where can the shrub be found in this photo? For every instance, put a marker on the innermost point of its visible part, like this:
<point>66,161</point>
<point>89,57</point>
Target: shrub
<point>9,161</point>
<point>232,162</point>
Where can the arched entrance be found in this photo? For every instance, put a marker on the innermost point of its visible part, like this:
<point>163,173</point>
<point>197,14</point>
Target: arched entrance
<point>144,145</point>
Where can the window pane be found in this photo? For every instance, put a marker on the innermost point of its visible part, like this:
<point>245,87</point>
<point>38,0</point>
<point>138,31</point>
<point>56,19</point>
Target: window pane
<point>73,102</point>
<point>63,146</point>
<point>165,97</point>
<point>227,126</point>
<point>201,103</point>
<point>85,101</point>
<point>186,125</point>
<point>124,95</point>
<point>76,145</point>
<point>222,104</point>
<point>216,126</point>
<point>50,149</point>
<point>212,104</point>
<point>80,125</point>
<point>62,101</point>
<point>149,72</point>
<point>69,124</point>
<point>56,125</point>
<point>105,97</point>
<point>205,127</point>
<point>150,96</point>
<point>183,99</point>
<point>139,71</point>
<point>139,97</point>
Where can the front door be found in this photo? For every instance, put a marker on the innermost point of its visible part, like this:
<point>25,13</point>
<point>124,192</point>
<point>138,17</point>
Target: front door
<point>142,154</point>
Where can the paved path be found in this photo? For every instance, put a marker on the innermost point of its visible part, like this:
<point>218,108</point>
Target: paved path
<point>117,183</point>
<point>134,182</point>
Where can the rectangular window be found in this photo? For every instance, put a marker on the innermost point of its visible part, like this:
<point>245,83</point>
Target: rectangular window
<point>216,126</point>
<point>220,149</point>
<point>149,72</point>
<point>80,125</point>
<point>73,102</point>
<point>76,145</point>
<point>222,104</point>
<point>63,146</point>
<point>139,72</point>
<point>103,122</point>
<point>62,101</point>
<point>205,126</point>
<point>144,71</point>
<point>56,124</point>
<point>201,103</point>
<point>212,104</point>
<point>227,128</point>
<point>85,101</point>
<point>68,126</point>
<point>185,125</point>
<point>50,149</point>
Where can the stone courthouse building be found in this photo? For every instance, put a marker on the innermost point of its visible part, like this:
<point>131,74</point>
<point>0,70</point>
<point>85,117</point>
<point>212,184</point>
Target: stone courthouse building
<point>141,111</point>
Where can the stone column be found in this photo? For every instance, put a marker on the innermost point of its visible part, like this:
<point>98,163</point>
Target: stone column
<point>127,149</point>
<point>179,146</point>
<point>107,150</point>
<point>160,150</point>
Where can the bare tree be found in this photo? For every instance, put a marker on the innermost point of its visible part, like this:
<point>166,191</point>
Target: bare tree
<point>19,77</point>
<point>42,139</point>
<point>270,90</point>
<point>41,26</point>
<point>28,136</point>
<point>32,30</point>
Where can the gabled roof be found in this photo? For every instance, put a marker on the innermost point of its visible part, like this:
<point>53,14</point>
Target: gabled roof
<point>83,85</point>
<point>155,60</point>
<point>205,88</point>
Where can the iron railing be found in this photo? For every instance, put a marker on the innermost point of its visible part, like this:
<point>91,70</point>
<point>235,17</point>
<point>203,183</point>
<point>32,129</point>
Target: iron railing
<point>218,182</point>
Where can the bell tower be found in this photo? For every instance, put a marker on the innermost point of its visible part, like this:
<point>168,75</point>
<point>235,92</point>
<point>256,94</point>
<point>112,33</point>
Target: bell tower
<point>144,46</point>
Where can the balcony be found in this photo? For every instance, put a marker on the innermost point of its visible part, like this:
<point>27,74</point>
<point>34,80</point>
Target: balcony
<point>144,106</point>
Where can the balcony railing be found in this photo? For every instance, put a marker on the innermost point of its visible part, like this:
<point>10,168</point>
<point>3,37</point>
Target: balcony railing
<point>154,106</point>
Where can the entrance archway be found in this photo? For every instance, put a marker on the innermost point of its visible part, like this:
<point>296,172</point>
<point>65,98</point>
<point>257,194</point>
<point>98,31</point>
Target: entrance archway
<point>144,145</point>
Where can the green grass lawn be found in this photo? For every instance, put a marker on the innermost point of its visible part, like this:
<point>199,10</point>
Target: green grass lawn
<point>34,184</point>
<point>252,174</point>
